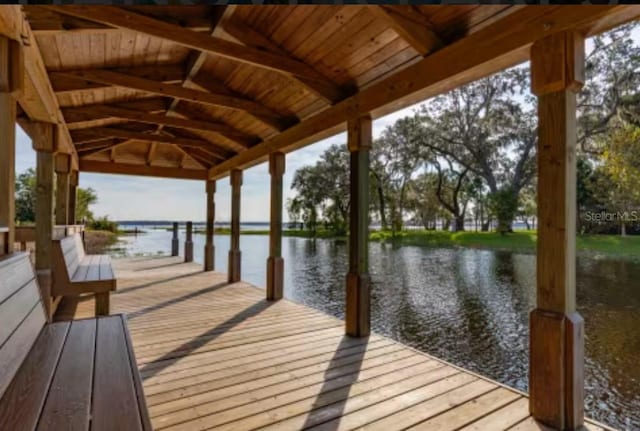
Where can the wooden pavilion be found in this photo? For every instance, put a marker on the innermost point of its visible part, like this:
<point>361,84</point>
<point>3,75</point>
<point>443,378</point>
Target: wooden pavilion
<point>204,92</point>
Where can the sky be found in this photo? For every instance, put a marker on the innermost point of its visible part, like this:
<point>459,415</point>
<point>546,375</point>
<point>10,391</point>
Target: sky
<point>123,197</point>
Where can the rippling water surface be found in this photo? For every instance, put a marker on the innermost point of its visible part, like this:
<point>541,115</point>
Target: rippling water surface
<point>469,307</point>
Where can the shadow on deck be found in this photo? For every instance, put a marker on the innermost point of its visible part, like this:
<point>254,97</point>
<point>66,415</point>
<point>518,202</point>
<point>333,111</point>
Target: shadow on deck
<point>217,355</point>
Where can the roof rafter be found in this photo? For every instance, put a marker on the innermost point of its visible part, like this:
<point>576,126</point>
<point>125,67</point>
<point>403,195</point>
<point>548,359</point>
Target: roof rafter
<point>500,45</point>
<point>168,74</point>
<point>110,77</point>
<point>150,171</point>
<point>411,25</point>
<point>126,19</point>
<point>108,111</point>
<point>246,35</point>
<point>99,133</point>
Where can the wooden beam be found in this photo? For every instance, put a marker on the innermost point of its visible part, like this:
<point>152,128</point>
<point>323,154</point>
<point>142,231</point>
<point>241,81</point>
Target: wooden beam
<point>275,262</point>
<point>176,91</point>
<point>7,167</point>
<point>141,170</point>
<point>358,314</point>
<point>167,74</point>
<point>73,195</point>
<point>502,44</point>
<point>45,142</point>
<point>233,273</point>
<point>99,133</point>
<point>556,378</point>
<point>411,25</point>
<point>37,98</point>
<point>107,111</point>
<point>246,35</point>
<point>125,19</point>
<point>63,170</point>
<point>209,248</point>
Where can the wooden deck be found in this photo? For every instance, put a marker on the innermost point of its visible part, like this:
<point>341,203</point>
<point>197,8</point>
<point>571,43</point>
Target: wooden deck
<point>214,355</point>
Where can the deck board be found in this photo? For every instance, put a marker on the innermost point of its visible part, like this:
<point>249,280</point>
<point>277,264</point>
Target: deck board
<point>217,355</point>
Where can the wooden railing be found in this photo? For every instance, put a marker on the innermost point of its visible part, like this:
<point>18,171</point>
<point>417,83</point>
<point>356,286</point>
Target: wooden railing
<point>26,234</point>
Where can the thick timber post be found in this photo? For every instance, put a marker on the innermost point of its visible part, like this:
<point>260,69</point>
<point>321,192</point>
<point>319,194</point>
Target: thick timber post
<point>275,263</point>
<point>175,242</point>
<point>233,274</point>
<point>358,282</point>
<point>11,76</point>
<point>73,193</point>
<point>209,249</point>
<point>63,170</point>
<point>188,243</point>
<point>45,142</point>
<point>556,379</point>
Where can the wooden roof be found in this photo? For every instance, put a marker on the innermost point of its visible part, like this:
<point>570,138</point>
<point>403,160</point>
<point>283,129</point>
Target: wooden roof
<point>194,91</point>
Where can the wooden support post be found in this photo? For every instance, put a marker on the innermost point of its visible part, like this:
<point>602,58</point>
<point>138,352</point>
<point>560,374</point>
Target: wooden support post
<point>11,83</point>
<point>175,242</point>
<point>556,379</point>
<point>275,262</point>
<point>188,243</point>
<point>358,282</point>
<point>209,249</point>
<point>73,193</point>
<point>63,170</point>
<point>45,142</point>
<point>233,274</point>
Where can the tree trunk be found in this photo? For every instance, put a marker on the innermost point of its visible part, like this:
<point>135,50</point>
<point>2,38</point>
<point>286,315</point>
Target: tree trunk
<point>459,223</point>
<point>623,229</point>
<point>383,216</point>
<point>485,225</point>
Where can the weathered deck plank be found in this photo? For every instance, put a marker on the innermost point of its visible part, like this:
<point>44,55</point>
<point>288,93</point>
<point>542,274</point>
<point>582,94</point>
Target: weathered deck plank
<point>217,355</point>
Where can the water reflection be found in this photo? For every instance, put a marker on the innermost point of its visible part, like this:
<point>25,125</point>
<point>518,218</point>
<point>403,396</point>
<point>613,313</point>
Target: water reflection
<point>469,307</point>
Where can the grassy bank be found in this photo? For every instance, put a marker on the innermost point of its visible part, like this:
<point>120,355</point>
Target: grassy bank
<point>97,241</point>
<point>523,241</point>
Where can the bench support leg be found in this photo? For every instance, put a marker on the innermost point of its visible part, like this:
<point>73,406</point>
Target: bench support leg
<point>102,303</point>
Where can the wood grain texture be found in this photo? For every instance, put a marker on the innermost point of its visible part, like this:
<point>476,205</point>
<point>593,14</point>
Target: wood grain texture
<point>215,355</point>
<point>68,403</point>
<point>22,402</point>
<point>114,398</point>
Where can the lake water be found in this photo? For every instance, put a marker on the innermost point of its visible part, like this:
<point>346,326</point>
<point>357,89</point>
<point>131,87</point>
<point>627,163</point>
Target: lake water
<point>469,307</point>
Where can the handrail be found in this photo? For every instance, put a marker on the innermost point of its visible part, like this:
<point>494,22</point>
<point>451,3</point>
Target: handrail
<point>25,234</point>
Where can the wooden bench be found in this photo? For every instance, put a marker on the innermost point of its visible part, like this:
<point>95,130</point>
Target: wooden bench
<point>66,375</point>
<point>75,272</point>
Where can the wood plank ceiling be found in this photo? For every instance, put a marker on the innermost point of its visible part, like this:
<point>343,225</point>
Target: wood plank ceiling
<point>177,90</point>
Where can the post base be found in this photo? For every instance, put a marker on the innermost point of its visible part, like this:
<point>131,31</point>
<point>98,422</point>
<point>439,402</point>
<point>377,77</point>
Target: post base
<point>188,251</point>
<point>275,277</point>
<point>175,247</point>
<point>357,317</point>
<point>233,275</point>
<point>556,375</point>
<point>209,261</point>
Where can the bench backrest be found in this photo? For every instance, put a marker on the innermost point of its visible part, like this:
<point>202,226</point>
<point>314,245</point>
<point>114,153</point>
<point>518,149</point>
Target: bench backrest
<point>68,252</point>
<point>22,314</point>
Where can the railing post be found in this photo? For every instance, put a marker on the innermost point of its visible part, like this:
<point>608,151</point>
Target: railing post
<point>45,141</point>
<point>275,263</point>
<point>358,282</point>
<point>73,193</point>
<point>11,77</point>
<point>175,242</point>
<point>188,243</point>
<point>209,249</point>
<point>233,273</point>
<point>62,168</point>
<point>556,379</point>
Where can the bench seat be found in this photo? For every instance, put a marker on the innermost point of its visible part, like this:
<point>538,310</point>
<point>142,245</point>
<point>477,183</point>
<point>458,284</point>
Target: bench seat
<point>76,273</point>
<point>66,375</point>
